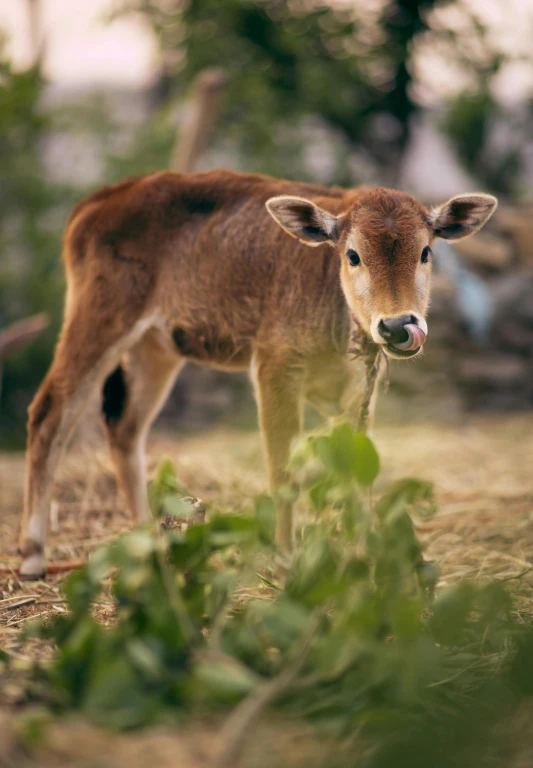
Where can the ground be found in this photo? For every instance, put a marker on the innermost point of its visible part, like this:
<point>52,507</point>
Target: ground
<point>481,468</point>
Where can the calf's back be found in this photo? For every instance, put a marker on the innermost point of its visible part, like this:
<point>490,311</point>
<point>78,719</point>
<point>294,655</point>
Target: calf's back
<point>201,252</point>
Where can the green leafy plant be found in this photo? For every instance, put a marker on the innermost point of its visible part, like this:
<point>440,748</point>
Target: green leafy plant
<point>350,633</point>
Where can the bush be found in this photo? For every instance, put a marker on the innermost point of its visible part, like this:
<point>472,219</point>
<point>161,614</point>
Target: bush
<point>350,633</point>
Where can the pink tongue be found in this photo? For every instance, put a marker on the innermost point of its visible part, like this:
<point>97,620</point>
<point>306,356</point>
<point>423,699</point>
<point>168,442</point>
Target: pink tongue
<point>416,338</point>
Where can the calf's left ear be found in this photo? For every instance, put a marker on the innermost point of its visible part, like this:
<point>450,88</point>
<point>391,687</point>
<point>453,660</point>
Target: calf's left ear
<point>303,219</point>
<point>462,215</point>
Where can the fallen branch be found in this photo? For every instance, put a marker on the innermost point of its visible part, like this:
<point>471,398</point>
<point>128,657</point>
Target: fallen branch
<point>17,598</point>
<point>19,604</point>
<point>240,722</point>
<point>51,569</point>
<point>25,618</point>
<point>18,334</point>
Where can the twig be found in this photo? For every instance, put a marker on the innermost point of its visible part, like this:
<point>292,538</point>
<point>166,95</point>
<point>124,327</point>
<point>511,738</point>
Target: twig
<point>45,602</point>
<point>18,334</point>
<point>268,583</point>
<point>437,683</point>
<point>60,601</point>
<point>14,606</point>
<point>26,618</point>
<point>51,568</point>
<point>16,597</point>
<point>518,575</point>
<point>238,725</point>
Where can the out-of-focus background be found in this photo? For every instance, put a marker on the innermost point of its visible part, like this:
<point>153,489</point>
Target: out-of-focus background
<point>430,96</point>
<point>433,97</point>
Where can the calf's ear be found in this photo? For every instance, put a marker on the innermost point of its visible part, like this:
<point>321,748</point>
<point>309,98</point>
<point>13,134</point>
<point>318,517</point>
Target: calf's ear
<point>304,220</point>
<point>462,215</point>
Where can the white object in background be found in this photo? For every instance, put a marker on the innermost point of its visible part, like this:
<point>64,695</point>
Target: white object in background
<point>474,301</point>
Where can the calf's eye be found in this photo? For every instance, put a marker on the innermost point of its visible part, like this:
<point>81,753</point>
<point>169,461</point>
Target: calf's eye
<point>426,253</point>
<point>353,257</point>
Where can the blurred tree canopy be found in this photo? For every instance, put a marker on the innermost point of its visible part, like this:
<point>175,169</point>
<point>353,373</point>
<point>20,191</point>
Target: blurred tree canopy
<point>489,138</point>
<point>346,63</point>
<point>30,222</point>
<point>468,123</point>
<point>297,66</point>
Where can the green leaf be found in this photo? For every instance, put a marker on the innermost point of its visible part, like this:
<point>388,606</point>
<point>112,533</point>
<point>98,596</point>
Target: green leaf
<point>99,565</point>
<point>115,697</point>
<point>521,673</point>
<point>417,495</point>
<point>144,658</point>
<point>138,545</point>
<point>177,506</point>
<point>406,618</point>
<point>320,492</point>
<point>235,530</point>
<point>450,613</point>
<point>280,623</point>
<point>163,488</point>
<point>265,514</point>
<point>366,467</point>
<point>349,453</point>
<point>315,567</point>
<point>224,679</point>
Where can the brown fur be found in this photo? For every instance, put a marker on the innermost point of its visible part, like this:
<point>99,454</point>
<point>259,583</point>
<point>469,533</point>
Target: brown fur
<point>169,268</point>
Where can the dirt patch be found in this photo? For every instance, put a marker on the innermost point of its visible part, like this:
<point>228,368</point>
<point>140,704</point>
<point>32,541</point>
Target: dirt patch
<point>72,743</point>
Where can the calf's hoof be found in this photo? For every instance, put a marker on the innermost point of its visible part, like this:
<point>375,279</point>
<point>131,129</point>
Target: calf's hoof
<point>34,562</point>
<point>32,568</point>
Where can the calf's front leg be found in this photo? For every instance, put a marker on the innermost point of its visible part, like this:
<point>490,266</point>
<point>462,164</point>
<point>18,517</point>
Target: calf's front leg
<point>278,384</point>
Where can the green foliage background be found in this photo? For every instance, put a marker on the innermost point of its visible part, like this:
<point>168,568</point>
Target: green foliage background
<point>30,273</point>
<point>341,78</point>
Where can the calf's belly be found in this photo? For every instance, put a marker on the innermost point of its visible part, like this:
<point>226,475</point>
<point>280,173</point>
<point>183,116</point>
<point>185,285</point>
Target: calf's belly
<point>207,345</point>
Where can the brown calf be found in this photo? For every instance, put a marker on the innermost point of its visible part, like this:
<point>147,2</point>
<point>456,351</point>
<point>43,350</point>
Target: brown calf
<point>173,268</point>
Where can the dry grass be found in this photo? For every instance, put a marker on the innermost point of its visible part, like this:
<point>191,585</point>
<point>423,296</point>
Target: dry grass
<point>482,471</point>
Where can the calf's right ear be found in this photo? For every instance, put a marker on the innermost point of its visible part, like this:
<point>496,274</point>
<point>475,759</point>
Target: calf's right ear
<point>304,220</point>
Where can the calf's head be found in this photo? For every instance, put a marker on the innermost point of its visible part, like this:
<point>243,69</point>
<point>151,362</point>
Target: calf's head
<point>384,243</point>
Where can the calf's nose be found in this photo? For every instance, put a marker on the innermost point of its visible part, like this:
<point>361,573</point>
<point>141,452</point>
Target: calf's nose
<point>393,329</point>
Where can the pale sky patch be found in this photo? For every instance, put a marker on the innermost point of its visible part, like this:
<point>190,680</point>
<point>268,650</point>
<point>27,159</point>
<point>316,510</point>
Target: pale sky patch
<point>81,47</point>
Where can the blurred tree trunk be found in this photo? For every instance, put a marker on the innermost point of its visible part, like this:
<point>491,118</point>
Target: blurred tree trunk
<point>18,334</point>
<point>199,128</point>
<point>37,41</point>
<point>402,21</point>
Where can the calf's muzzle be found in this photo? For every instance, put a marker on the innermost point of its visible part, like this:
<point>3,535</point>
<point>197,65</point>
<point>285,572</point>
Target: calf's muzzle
<point>402,333</point>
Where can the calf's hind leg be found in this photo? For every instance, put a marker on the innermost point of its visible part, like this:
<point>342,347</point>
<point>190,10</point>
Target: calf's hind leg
<point>132,397</point>
<point>87,350</point>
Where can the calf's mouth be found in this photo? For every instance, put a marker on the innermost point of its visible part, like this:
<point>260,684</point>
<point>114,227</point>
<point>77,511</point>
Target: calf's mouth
<point>409,342</point>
